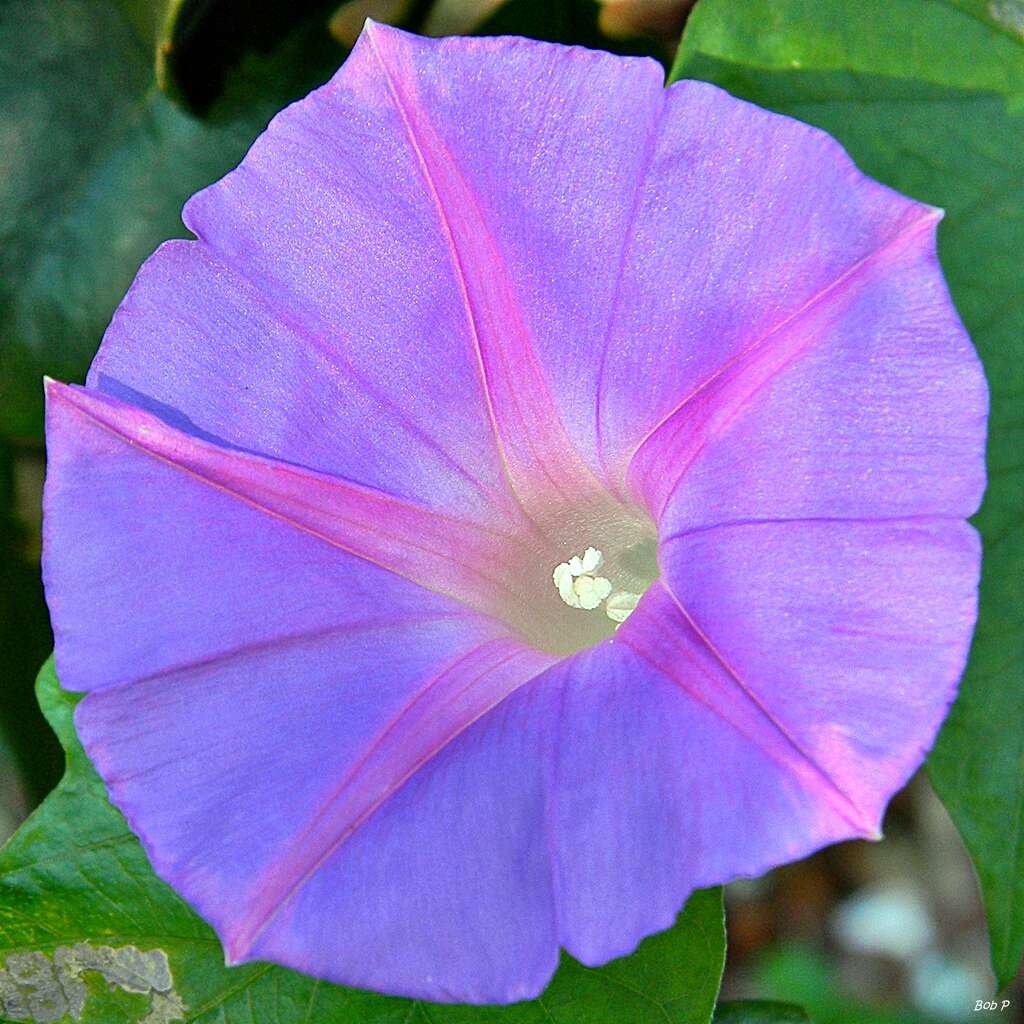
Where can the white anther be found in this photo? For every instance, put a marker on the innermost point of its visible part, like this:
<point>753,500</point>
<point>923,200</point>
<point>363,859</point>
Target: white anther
<point>563,580</point>
<point>620,605</point>
<point>591,590</point>
<point>576,585</point>
<point>592,559</point>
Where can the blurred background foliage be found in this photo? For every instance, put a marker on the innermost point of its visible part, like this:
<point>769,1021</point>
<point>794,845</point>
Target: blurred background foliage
<point>113,112</point>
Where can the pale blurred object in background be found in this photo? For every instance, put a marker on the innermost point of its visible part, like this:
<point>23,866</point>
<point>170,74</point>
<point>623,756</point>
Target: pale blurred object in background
<point>889,920</point>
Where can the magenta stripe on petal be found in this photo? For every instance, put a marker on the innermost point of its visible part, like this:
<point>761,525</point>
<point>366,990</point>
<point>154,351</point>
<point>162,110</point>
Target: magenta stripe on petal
<point>678,439</point>
<point>436,551</point>
<point>442,708</point>
<point>534,446</point>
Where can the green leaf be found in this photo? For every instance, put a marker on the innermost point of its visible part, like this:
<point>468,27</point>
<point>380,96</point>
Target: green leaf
<point>74,880</point>
<point>1005,16</point>
<point>926,96</point>
<point>154,23</point>
<point>104,162</point>
<point>945,42</point>
<point>759,1011</point>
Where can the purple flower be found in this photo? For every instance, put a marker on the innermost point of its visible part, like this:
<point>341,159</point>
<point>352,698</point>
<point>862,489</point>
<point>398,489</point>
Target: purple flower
<point>535,495</point>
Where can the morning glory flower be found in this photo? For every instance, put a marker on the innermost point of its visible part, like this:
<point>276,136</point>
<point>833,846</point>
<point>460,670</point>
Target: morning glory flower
<point>536,494</point>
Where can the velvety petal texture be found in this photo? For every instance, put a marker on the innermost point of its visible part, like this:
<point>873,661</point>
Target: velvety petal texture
<point>469,310</point>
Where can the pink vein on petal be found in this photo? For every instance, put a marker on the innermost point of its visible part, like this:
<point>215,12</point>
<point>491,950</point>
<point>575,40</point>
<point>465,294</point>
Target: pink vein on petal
<point>750,717</point>
<point>534,447</point>
<point>439,711</point>
<point>440,553</point>
<point>727,524</point>
<point>682,434</point>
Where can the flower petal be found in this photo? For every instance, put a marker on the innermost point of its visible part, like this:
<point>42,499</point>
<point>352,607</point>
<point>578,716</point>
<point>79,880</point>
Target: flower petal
<point>445,893</point>
<point>216,349</point>
<point>837,633</point>
<point>95,438</point>
<point>536,154</point>
<point>748,223</point>
<point>870,401</point>
<point>380,332</point>
<point>574,174</point>
<point>269,697</point>
<point>344,830</point>
<point>658,788</point>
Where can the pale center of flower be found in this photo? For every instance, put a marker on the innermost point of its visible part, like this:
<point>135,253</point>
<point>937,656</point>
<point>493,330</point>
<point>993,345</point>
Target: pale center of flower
<point>579,586</point>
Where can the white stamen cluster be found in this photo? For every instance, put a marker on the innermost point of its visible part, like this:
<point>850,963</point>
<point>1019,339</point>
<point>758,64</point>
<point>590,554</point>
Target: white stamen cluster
<point>577,584</point>
<point>579,587</point>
